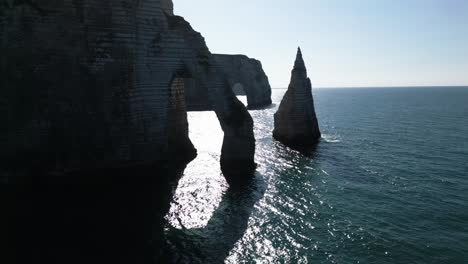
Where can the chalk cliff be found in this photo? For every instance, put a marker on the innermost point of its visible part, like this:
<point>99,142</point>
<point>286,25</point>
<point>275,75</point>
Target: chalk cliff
<point>295,121</point>
<point>246,77</point>
<point>93,102</point>
<point>92,84</point>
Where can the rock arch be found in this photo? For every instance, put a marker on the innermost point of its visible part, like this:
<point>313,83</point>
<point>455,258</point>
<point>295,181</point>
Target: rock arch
<point>247,72</point>
<point>214,93</point>
<point>111,96</point>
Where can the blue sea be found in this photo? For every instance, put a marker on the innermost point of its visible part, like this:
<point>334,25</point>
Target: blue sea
<point>388,183</point>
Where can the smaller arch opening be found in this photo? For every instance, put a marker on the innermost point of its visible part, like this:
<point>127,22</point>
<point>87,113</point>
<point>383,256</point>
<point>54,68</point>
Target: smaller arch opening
<point>239,91</point>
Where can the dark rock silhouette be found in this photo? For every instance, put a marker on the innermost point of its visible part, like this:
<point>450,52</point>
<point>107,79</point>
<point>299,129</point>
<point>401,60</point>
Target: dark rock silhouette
<point>97,216</point>
<point>246,77</point>
<point>93,126</point>
<point>106,83</point>
<point>295,121</point>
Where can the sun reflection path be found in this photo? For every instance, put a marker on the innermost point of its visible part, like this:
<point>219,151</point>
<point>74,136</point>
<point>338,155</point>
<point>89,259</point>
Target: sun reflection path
<point>288,216</point>
<point>201,188</point>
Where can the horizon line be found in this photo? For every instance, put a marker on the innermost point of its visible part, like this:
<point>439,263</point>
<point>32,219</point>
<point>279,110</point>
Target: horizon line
<point>399,86</point>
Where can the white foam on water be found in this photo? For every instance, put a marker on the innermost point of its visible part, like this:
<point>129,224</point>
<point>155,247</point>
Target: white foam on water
<point>331,138</point>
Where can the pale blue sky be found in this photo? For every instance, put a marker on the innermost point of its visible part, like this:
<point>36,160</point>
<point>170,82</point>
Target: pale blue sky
<point>345,43</point>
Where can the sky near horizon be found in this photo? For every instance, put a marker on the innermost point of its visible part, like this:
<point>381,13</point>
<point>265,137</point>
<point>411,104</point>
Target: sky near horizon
<point>345,43</point>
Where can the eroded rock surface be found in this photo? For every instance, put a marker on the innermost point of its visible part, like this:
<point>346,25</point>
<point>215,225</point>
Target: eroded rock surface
<point>246,77</point>
<point>92,84</point>
<point>295,121</point>
<point>93,102</point>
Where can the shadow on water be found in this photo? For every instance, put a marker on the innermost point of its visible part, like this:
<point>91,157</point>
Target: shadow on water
<point>103,216</point>
<point>117,216</point>
<point>213,243</point>
<point>308,151</point>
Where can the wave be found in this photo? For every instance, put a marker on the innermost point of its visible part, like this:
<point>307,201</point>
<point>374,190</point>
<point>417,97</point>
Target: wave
<point>331,138</point>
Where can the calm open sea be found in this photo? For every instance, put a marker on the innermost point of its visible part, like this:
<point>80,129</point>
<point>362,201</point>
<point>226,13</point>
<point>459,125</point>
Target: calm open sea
<point>388,183</point>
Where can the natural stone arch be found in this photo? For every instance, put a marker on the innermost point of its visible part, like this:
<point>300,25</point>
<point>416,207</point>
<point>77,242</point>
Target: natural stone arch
<point>98,79</point>
<point>107,101</point>
<point>238,150</point>
<point>213,93</point>
<point>240,69</point>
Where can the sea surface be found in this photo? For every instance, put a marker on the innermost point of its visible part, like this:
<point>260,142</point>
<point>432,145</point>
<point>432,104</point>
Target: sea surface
<point>388,183</point>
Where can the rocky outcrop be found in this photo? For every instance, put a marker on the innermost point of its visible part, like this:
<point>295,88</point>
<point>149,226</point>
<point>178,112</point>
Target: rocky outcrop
<point>97,216</point>
<point>295,121</point>
<point>208,87</point>
<point>168,6</point>
<point>246,77</point>
<point>93,84</point>
<point>93,102</point>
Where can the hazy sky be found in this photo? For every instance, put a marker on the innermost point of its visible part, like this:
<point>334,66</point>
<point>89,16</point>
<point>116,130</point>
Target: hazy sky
<point>344,42</point>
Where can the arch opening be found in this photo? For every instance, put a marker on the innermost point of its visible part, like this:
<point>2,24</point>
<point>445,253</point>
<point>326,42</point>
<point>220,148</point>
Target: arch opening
<point>212,94</point>
<point>201,127</point>
<point>241,93</point>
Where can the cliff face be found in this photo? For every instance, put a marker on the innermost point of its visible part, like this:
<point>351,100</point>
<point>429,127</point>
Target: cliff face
<point>246,77</point>
<point>295,121</point>
<point>168,6</point>
<point>89,84</point>
<point>97,92</point>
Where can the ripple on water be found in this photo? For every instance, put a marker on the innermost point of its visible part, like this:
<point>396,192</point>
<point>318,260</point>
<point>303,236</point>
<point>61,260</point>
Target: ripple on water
<point>382,192</point>
<point>200,190</point>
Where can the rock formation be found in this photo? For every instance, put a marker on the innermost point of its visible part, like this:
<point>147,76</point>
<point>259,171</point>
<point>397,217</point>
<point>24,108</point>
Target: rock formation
<point>93,84</point>
<point>246,77</point>
<point>93,101</point>
<point>295,121</point>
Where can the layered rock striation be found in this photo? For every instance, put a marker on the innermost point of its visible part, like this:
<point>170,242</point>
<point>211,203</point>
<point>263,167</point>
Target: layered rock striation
<point>246,77</point>
<point>295,121</point>
<point>96,84</point>
<point>93,115</point>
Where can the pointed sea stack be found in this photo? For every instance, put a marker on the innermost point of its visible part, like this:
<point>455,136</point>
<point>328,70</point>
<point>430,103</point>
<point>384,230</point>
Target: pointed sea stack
<point>295,121</point>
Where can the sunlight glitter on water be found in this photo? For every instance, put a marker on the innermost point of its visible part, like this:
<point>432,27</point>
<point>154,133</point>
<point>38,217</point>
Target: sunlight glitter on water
<point>201,188</point>
<point>354,200</point>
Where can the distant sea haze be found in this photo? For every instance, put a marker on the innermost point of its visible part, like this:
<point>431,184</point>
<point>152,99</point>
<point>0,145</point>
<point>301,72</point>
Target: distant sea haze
<point>386,184</point>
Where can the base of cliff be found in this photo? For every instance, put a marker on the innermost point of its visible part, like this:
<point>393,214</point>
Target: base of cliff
<point>99,216</point>
<point>304,144</point>
<point>239,173</point>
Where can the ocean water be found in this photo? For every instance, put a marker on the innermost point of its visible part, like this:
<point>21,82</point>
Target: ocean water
<point>388,183</point>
